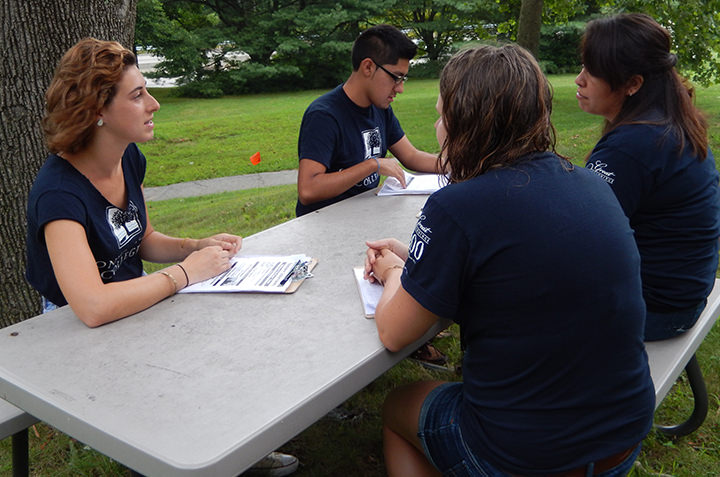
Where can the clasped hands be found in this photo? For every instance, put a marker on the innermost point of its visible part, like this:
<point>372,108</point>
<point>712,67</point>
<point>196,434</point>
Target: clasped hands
<point>383,255</point>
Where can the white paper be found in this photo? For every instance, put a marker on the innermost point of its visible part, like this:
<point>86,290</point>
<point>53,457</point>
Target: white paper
<point>370,293</point>
<point>271,274</point>
<point>415,184</point>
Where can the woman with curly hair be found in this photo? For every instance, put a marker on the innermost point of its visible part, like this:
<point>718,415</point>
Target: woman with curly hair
<point>88,224</point>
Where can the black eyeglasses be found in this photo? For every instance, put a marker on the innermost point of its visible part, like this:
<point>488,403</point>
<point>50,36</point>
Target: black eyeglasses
<point>396,78</point>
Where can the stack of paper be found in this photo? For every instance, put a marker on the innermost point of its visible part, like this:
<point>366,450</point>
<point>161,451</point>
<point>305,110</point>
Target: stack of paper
<point>415,184</point>
<point>370,293</point>
<point>271,274</point>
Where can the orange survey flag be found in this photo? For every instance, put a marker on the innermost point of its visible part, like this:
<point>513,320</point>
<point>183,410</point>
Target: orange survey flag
<point>255,159</point>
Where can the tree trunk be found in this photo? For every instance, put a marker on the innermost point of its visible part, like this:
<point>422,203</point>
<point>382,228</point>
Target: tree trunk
<point>529,24</point>
<point>35,34</point>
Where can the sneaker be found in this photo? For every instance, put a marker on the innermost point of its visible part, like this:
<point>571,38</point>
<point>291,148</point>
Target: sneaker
<point>275,464</point>
<point>430,357</point>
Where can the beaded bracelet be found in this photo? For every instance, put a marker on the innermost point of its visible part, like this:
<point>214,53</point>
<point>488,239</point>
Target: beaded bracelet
<point>378,163</point>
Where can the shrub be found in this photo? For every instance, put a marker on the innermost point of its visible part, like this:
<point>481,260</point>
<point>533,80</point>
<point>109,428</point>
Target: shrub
<point>559,48</point>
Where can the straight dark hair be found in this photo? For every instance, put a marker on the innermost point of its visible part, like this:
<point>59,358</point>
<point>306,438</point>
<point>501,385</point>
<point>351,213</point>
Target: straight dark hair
<point>385,44</point>
<point>496,106</point>
<point>619,47</point>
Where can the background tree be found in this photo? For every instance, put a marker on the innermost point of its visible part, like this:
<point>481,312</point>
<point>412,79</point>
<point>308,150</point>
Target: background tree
<point>34,37</point>
<point>290,44</point>
<point>695,27</point>
<point>259,45</point>
<point>187,35</point>
<point>438,24</point>
<point>529,23</point>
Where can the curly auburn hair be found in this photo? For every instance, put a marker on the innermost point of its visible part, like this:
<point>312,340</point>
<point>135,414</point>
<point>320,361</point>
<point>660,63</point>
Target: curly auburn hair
<point>84,82</point>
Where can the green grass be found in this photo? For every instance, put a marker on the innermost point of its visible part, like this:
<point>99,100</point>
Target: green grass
<point>212,138</point>
<point>206,138</point>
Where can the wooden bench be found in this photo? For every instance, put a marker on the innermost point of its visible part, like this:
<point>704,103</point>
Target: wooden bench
<point>14,422</point>
<point>669,357</point>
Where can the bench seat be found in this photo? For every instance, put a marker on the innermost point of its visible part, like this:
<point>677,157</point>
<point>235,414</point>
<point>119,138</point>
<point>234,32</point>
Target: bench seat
<point>669,357</point>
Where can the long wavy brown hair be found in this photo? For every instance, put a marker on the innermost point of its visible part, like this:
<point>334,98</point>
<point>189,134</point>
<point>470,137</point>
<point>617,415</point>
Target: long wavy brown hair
<point>496,106</point>
<point>85,81</point>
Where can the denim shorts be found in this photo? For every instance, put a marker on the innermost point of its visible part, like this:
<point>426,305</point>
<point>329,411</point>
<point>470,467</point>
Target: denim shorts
<point>442,440</point>
<point>48,306</point>
<point>439,432</point>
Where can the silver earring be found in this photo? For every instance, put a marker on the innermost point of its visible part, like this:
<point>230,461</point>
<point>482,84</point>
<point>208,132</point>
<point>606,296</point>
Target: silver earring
<point>100,122</point>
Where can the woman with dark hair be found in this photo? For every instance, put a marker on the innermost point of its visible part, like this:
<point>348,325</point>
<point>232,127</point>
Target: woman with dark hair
<point>512,252</point>
<point>654,154</point>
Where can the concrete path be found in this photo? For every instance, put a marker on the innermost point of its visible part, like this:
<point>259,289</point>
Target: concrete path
<point>221,184</point>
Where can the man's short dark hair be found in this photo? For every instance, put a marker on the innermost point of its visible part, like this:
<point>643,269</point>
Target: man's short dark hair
<point>383,43</point>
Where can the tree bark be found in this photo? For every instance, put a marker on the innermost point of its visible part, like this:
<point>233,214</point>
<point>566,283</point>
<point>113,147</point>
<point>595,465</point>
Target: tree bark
<point>35,34</point>
<point>529,24</point>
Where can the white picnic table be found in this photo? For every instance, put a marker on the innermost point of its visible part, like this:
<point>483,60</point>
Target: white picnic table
<point>207,384</point>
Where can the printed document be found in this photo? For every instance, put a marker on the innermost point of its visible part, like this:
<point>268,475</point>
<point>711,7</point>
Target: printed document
<point>270,274</point>
<point>415,184</point>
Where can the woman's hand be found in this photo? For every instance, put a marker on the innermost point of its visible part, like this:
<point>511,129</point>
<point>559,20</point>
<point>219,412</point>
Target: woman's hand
<point>379,262</point>
<point>229,242</point>
<point>374,250</point>
<point>206,263</point>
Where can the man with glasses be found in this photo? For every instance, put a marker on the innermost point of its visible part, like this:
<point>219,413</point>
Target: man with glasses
<point>346,133</point>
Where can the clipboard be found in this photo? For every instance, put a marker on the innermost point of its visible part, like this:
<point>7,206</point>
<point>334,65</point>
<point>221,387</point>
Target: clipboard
<point>259,274</point>
<point>296,282</point>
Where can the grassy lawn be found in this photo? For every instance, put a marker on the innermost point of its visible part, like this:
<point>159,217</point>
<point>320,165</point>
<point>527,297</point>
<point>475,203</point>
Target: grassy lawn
<point>211,138</point>
<point>201,139</point>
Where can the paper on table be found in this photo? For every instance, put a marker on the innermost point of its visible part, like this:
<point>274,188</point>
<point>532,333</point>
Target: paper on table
<point>416,184</point>
<point>271,274</point>
<point>370,293</point>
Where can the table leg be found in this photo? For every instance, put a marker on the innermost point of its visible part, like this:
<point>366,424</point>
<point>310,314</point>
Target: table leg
<point>20,454</point>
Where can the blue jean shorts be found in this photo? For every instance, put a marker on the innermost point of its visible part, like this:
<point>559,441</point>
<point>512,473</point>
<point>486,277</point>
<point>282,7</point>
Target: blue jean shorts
<point>48,306</point>
<point>443,443</point>
<point>439,432</point>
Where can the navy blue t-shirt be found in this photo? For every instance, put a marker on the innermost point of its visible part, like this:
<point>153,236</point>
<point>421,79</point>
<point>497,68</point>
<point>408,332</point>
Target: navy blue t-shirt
<point>61,192</point>
<point>338,134</point>
<point>673,203</point>
<point>538,266</point>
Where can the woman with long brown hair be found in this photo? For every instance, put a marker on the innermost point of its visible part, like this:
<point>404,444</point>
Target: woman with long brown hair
<point>535,261</point>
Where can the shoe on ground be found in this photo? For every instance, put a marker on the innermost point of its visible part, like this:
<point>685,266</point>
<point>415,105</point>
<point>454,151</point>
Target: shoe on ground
<point>429,356</point>
<point>275,464</point>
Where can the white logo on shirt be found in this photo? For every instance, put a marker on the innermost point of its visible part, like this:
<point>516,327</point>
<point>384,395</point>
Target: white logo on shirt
<point>599,168</point>
<point>420,238</point>
<point>373,142</point>
<point>124,224</point>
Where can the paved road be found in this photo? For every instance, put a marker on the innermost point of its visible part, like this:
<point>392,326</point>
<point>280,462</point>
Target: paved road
<point>221,184</point>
